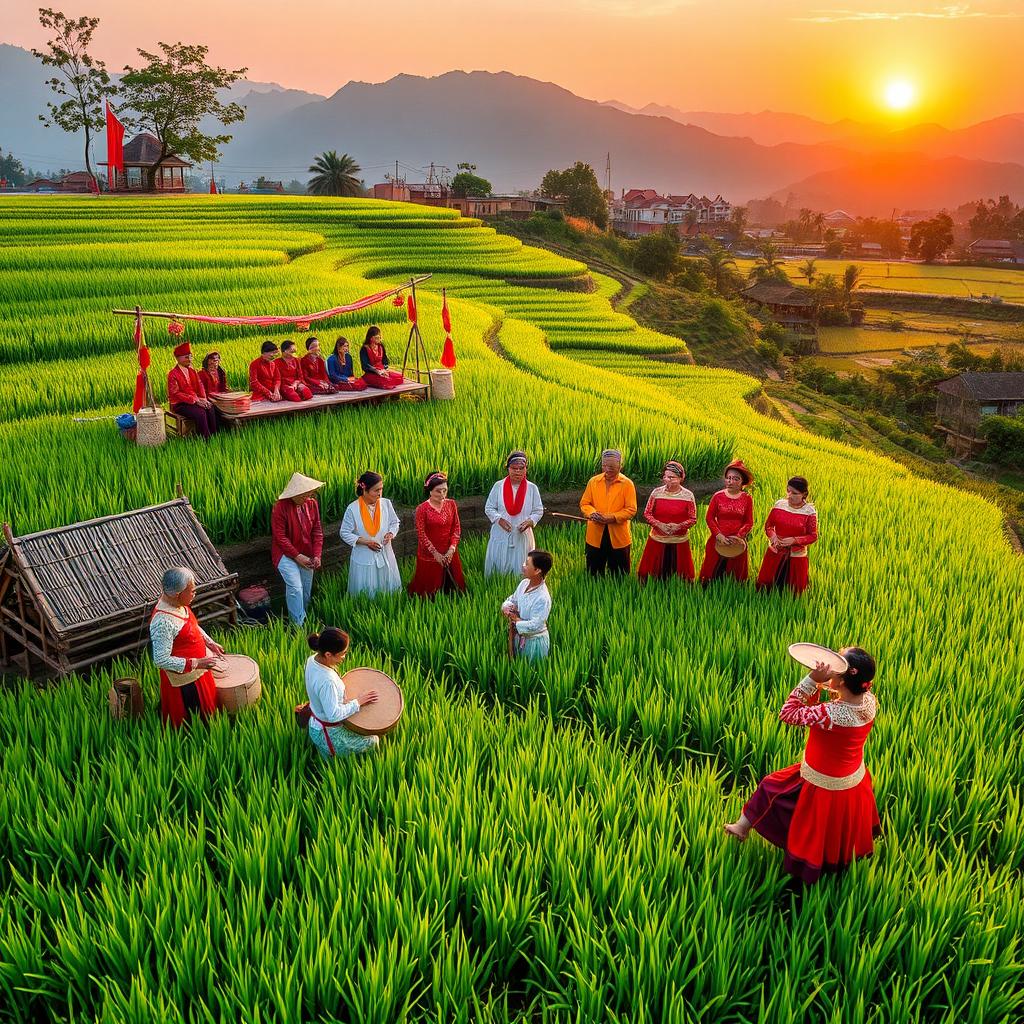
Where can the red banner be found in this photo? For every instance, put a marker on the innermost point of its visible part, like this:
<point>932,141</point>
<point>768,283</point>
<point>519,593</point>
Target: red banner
<point>115,147</point>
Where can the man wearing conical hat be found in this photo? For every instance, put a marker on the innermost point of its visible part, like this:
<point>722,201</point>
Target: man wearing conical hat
<point>297,542</point>
<point>186,395</point>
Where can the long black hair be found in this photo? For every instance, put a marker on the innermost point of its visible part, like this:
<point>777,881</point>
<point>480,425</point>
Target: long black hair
<point>371,332</point>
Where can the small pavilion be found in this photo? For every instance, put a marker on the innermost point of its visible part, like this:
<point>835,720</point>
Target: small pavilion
<point>140,155</point>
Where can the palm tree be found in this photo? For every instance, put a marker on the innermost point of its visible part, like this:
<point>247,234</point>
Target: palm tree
<point>719,266</point>
<point>851,278</point>
<point>334,175</point>
<point>808,269</point>
<point>768,269</point>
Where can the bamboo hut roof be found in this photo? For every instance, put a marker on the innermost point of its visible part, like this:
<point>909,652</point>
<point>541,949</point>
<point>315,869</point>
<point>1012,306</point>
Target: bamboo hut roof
<point>111,567</point>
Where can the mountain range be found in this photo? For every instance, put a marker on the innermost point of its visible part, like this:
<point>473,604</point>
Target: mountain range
<point>515,128</point>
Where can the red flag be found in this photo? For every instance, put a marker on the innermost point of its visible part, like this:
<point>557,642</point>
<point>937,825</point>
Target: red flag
<point>140,392</point>
<point>213,187</point>
<point>141,380</point>
<point>448,355</point>
<point>115,147</point>
<point>411,309</point>
<point>446,320</point>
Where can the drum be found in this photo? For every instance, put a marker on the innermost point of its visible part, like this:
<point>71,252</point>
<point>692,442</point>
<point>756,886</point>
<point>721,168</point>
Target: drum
<point>729,549</point>
<point>809,655</point>
<point>238,682</point>
<point>379,718</point>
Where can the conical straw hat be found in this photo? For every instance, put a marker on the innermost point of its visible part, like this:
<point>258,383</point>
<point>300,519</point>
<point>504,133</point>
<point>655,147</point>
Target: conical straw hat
<point>300,484</point>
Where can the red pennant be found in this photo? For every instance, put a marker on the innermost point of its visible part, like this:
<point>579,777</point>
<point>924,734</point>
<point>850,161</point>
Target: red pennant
<point>448,354</point>
<point>115,147</point>
<point>144,358</point>
<point>140,390</point>
<point>446,320</point>
<point>411,310</point>
<point>213,187</point>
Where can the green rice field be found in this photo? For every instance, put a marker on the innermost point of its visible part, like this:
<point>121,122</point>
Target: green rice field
<point>534,843</point>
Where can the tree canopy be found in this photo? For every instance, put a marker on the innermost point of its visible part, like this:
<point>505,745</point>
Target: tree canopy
<point>334,175</point>
<point>656,253</point>
<point>465,183</point>
<point>932,238</point>
<point>583,195</point>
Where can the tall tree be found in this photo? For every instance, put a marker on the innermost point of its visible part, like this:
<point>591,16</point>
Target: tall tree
<point>12,170</point>
<point>808,269</point>
<point>768,268</point>
<point>80,78</point>
<point>583,195</point>
<point>466,183</point>
<point>738,222</point>
<point>334,175</point>
<point>719,267</point>
<point>851,279</point>
<point>169,96</point>
<point>932,238</point>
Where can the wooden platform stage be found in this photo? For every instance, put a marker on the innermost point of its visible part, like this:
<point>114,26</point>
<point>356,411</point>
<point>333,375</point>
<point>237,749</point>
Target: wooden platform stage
<point>262,410</point>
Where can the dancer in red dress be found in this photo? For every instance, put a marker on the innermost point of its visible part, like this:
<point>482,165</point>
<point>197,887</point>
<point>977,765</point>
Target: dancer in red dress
<point>671,510</point>
<point>730,516</point>
<point>264,375</point>
<point>438,566</point>
<point>374,360</point>
<point>293,387</point>
<point>821,812</point>
<point>183,652</point>
<point>791,526</point>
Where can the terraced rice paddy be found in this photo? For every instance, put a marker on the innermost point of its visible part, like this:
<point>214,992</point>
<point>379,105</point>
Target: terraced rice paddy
<point>532,844</point>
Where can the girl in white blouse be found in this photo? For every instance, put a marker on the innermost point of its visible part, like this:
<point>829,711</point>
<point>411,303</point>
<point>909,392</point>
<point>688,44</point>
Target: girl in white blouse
<point>528,608</point>
<point>368,527</point>
<point>326,693</point>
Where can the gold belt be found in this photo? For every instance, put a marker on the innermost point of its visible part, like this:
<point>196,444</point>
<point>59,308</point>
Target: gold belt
<point>836,783</point>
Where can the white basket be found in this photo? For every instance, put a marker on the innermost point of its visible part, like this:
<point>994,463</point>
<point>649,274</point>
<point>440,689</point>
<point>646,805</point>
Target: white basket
<point>442,384</point>
<point>151,432</point>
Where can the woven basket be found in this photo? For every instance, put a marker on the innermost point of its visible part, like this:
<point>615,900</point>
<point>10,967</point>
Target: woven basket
<point>231,403</point>
<point>442,384</point>
<point>150,429</point>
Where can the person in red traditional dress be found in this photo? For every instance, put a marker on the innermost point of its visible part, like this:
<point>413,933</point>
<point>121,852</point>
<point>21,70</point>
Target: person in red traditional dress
<point>293,386</point>
<point>822,812</point>
<point>438,530</point>
<point>671,510</point>
<point>792,527</point>
<point>212,375</point>
<point>186,395</point>
<point>374,360</point>
<point>264,375</point>
<point>183,652</point>
<point>297,542</point>
<point>730,517</point>
<point>314,369</point>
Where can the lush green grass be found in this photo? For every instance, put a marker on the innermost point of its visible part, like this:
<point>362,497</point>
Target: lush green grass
<point>531,844</point>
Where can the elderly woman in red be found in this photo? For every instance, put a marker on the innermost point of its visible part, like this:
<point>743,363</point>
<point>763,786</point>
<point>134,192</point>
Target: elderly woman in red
<point>374,360</point>
<point>821,812</point>
<point>438,566</point>
<point>182,651</point>
<point>730,517</point>
<point>792,527</point>
<point>671,511</point>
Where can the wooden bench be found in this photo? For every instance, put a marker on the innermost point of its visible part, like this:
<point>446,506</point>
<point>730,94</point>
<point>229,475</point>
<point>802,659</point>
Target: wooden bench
<point>178,425</point>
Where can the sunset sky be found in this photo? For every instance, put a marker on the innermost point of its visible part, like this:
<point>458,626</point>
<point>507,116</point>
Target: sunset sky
<point>954,63</point>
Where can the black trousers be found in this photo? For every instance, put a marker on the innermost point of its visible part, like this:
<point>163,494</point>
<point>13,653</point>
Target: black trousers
<point>606,558</point>
<point>205,420</point>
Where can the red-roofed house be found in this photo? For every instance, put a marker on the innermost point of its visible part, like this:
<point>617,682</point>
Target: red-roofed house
<point>641,211</point>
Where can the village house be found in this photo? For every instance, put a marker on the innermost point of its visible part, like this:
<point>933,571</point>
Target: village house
<point>78,182</point>
<point>641,211</point>
<point>515,206</point>
<point>139,156</point>
<point>966,399</point>
<point>996,249</point>
<point>791,307</point>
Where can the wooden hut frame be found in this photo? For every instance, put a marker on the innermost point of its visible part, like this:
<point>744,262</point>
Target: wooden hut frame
<point>81,594</point>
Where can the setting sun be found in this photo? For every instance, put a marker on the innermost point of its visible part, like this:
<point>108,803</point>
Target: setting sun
<point>900,94</point>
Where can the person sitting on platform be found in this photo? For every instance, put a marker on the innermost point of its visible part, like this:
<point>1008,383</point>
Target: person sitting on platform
<point>609,502</point>
<point>325,690</point>
<point>528,607</point>
<point>297,542</point>
<point>212,375</point>
<point>314,369</point>
<point>186,395</point>
<point>374,360</point>
<point>264,375</point>
<point>293,387</point>
<point>182,651</point>
<point>340,370</point>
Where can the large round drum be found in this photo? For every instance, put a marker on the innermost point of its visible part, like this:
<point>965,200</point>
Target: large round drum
<point>238,682</point>
<point>809,655</point>
<point>729,549</point>
<point>380,717</point>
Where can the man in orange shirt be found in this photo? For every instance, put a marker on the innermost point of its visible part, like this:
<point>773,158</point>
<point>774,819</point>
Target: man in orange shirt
<point>609,502</point>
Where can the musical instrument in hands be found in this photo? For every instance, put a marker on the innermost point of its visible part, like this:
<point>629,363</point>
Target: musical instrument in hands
<point>730,548</point>
<point>565,515</point>
<point>238,682</point>
<point>809,655</point>
<point>380,717</point>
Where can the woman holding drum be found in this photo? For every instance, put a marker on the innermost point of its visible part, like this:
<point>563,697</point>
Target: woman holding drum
<point>822,812</point>
<point>438,531</point>
<point>792,527</point>
<point>671,510</point>
<point>730,517</point>
<point>326,693</point>
<point>368,527</point>
<point>514,509</point>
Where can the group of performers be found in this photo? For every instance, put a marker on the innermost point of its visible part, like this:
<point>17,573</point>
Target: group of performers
<point>277,375</point>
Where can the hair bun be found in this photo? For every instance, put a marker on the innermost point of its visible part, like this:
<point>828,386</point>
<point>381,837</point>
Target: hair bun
<point>314,641</point>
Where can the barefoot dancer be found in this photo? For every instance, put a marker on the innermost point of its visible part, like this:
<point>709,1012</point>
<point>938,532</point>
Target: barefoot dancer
<point>821,812</point>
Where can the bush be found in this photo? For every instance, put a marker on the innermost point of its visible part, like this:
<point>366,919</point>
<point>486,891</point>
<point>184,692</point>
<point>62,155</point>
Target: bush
<point>656,254</point>
<point>1005,436</point>
<point>769,352</point>
<point>894,323</point>
<point>834,316</point>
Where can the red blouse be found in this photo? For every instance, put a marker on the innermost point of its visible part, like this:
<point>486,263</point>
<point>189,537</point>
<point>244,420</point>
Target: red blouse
<point>679,508</point>
<point>214,383</point>
<point>732,517</point>
<point>437,530</point>
<point>290,370</point>
<point>801,524</point>
<point>314,370</point>
<point>264,377</point>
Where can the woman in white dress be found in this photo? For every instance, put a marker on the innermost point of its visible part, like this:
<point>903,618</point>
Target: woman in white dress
<point>528,608</point>
<point>368,527</point>
<point>325,691</point>
<point>514,509</point>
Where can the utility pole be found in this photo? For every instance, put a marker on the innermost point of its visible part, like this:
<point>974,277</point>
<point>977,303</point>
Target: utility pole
<point>608,174</point>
